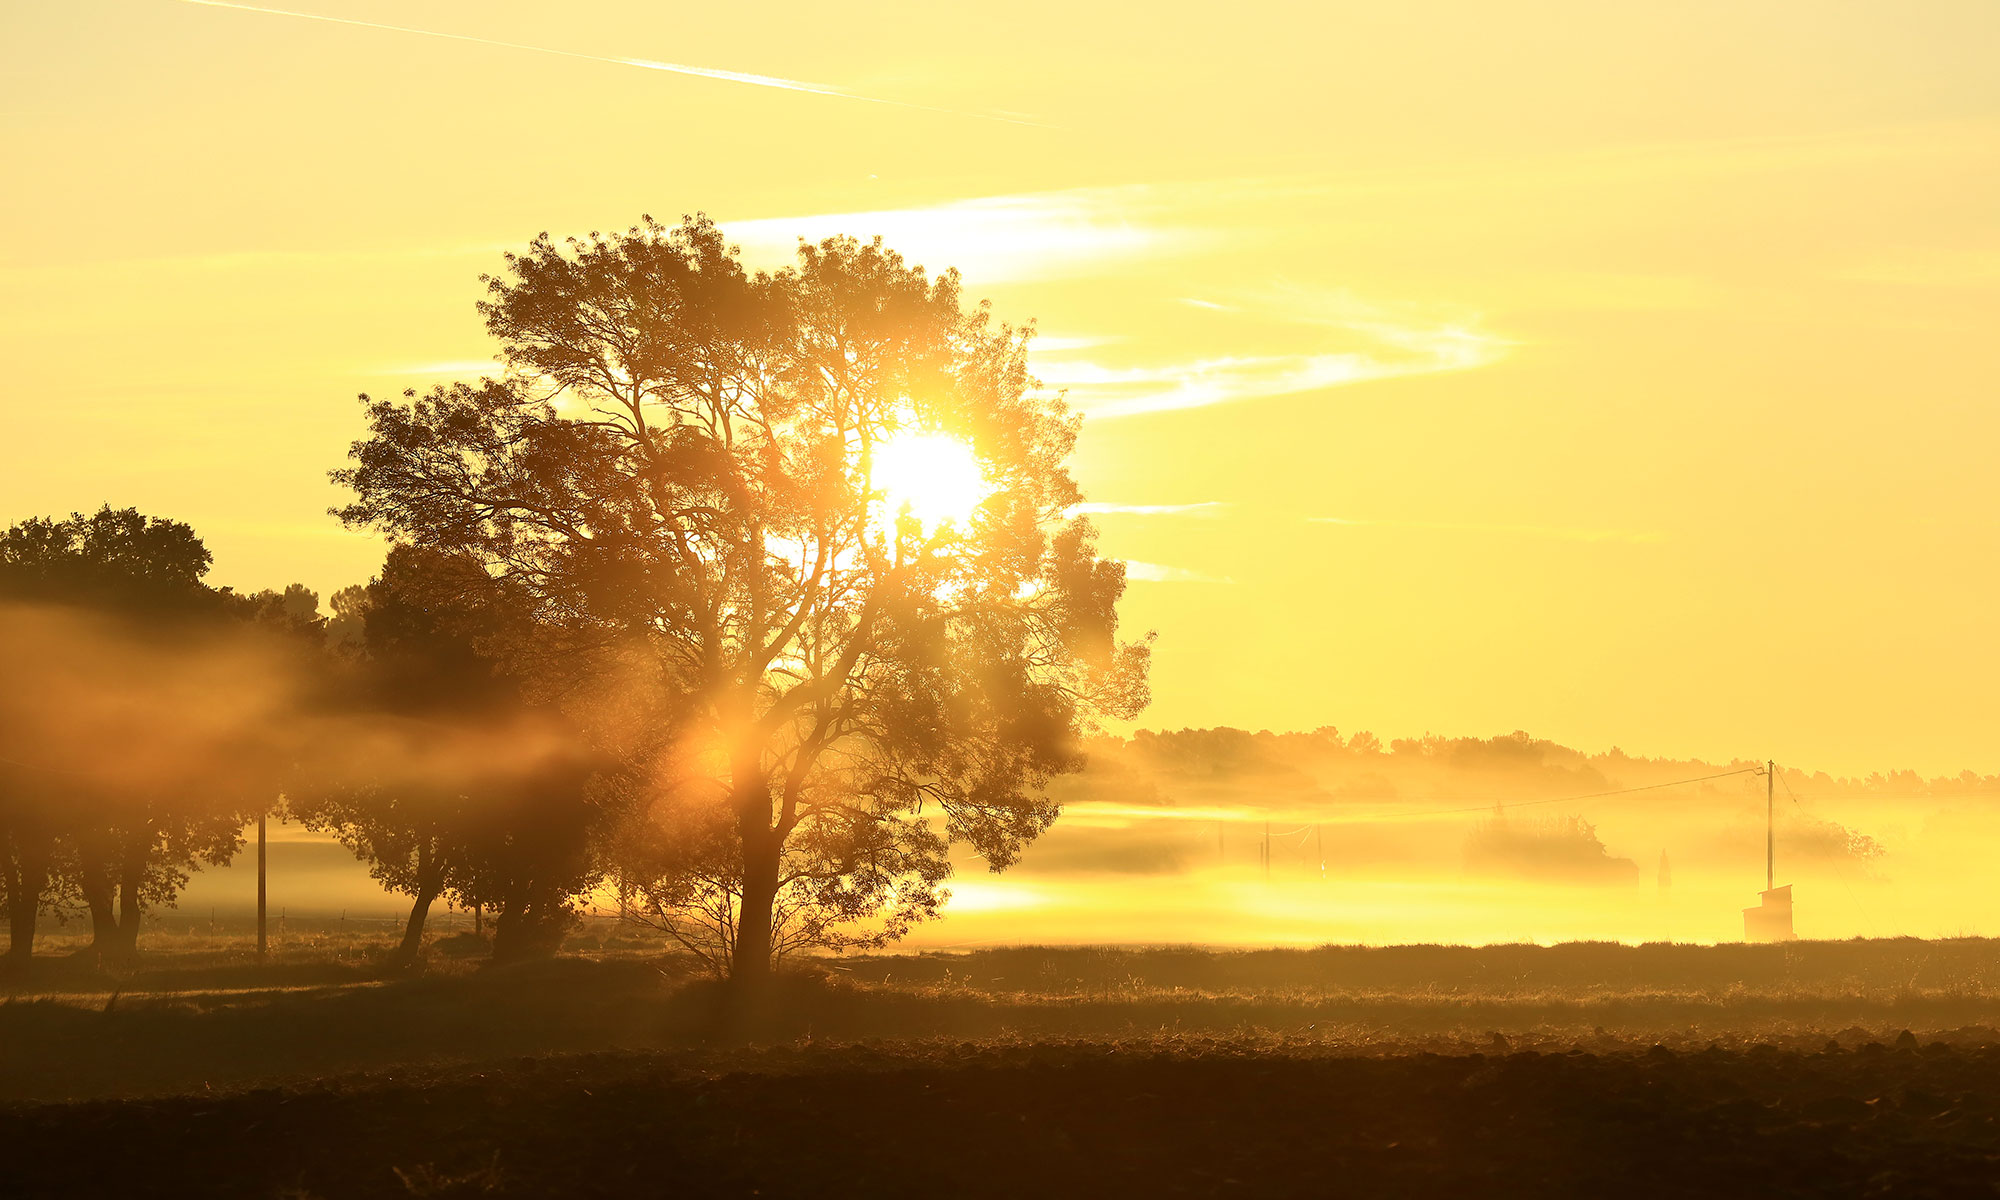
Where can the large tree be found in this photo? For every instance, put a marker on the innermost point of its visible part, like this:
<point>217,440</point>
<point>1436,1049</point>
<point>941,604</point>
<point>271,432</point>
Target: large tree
<point>802,542</point>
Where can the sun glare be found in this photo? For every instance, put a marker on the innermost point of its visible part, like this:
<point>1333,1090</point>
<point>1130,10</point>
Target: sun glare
<point>933,476</point>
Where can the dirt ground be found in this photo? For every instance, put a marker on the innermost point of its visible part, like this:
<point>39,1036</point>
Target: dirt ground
<point>1079,1119</point>
<point>1844,1069</point>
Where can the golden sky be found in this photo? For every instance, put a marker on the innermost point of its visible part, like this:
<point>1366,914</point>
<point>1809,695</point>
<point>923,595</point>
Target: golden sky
<point>1622,372</point>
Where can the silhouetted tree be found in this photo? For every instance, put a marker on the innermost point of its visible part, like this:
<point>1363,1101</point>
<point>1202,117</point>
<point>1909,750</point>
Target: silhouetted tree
<point>113,560</point>
<point>678,478</point>
<point>130,853</point>
<point>402,833</point>
<point>294,611</point>
<point>530,847</point>
<point>347,629</point>
<point>121,842</point>
<point>27,860</point>
<point>468,792</point>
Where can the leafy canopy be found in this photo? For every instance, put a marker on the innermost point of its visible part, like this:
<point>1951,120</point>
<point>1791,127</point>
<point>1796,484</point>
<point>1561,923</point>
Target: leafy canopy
<point>684,477</point>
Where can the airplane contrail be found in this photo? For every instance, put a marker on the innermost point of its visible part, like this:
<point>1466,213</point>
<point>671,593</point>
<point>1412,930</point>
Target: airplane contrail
<point>770,81</point>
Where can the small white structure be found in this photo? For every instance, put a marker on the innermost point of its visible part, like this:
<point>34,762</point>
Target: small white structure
<point>1770,921</point>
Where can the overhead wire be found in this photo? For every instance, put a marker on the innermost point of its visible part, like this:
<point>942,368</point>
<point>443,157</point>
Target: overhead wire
<point>27,766</point>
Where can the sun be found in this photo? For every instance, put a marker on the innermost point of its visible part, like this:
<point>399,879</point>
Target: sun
<point>934,477</point>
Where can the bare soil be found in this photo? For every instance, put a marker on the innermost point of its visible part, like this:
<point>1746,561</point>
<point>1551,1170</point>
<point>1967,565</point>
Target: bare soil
<point>1847,1069</point>
<point>1078,1119</point>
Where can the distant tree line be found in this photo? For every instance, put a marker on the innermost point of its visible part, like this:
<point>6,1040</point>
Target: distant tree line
<point>1325,764</point>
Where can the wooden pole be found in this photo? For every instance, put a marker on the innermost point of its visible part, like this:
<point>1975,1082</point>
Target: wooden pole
<point>263,944</point>
<point>1770,825</point>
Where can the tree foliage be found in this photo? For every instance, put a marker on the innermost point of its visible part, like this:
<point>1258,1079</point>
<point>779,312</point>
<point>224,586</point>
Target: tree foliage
<point>455,786</point>
<point>115,559</point>
<point>678,480</point>
<point>149,694</point>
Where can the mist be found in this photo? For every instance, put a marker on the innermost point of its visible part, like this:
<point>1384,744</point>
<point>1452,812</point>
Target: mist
<point>184,731</point>
<point>1216,837</point>
<point>1429,840</point>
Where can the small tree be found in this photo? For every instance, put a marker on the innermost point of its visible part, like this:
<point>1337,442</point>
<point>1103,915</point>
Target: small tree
<point>458,787</point>
<point>130,853</point>
<point>147,713</point>
<point>799,545</point>
<point>530,849</point>
<point>405,833</point>
<point>122,848</point>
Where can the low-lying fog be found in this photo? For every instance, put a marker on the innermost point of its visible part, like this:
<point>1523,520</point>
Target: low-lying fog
<point>1161,840</point>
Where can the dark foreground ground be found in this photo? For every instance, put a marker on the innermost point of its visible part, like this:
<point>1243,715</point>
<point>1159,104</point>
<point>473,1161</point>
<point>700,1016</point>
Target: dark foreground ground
<point>1849,1069</point>
<point>1071,1120</point>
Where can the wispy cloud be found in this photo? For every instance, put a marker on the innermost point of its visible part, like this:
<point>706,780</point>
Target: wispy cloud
<point>1375,341</point>
<point>1147,572</point>
<point>1105,393</point>
<point>1206,508</point>
<point>992,239</point>
<point>1559,533</point>
<point>716,73</point>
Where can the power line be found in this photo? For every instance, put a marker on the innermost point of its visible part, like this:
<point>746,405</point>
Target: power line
<point>12,762</point>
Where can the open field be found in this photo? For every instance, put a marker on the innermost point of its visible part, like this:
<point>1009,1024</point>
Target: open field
<point>1847,1068</point>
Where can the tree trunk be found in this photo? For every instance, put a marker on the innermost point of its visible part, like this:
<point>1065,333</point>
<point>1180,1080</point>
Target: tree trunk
<point>430,882</point>
<point>531,923</point>
<point>21,913</point>
<point>751,961</point>
<point>27,872</point>
<point>509,934</point>
<point>413,930</point>
<point>129,913</point>
<point>98,892</point>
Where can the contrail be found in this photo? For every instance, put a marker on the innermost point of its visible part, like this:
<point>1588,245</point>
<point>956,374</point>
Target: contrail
<point>770,81</point>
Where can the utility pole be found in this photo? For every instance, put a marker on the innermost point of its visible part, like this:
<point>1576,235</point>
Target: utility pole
<point>1770,824</point>
<point>262,944</point>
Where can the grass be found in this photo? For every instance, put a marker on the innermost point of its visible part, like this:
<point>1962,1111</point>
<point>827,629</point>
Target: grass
<point>198,1015</point>
<point>1847,1068</point>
